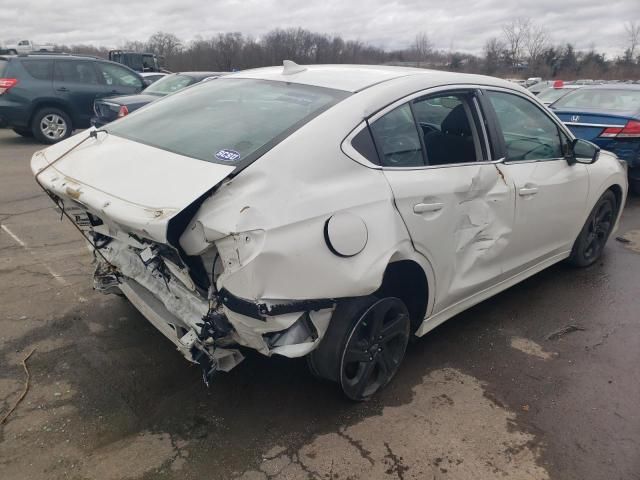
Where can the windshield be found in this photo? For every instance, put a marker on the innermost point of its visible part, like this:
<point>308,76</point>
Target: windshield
<point>170,84</point>
<point>601,99</point>
<point>552,94</point>
<point>227,121</point>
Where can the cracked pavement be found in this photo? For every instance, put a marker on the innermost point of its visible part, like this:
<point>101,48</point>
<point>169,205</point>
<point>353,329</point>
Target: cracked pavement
<point>493,393</point>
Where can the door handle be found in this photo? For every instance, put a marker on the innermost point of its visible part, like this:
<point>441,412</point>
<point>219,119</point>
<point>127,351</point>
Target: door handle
<point>427,207</point>
<point>523,192</point>
<point>62,89</point>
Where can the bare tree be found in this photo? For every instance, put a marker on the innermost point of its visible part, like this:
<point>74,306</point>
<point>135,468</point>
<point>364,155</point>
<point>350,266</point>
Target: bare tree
<point>515,34</point>
<point>536,42</point>
<point>422,47</point>
<point>633,36</point>
<point>493,50</point>
<point>164,44</point>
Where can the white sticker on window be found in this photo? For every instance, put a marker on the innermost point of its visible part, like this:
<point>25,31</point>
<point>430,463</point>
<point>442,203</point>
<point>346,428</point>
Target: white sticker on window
<point>227,155</point>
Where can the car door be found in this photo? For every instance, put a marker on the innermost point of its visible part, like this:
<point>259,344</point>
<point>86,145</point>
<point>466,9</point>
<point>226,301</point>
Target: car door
<point>76,83</point>
<point>551,193</point>
<point>457,206</point>
<point>119,80</point>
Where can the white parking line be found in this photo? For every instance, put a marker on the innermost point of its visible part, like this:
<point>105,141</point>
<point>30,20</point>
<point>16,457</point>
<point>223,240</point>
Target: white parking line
<point>52,272</point>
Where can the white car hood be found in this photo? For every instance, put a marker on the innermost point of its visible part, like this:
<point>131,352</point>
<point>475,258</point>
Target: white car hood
<point>137,186</point>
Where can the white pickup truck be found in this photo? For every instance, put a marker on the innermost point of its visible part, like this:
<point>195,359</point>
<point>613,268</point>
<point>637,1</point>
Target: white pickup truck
<point>27,46</point>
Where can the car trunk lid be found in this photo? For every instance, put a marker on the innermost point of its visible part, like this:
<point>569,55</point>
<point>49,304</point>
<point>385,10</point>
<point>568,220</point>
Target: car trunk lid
<point>589,125</point>
<point>136,187</point>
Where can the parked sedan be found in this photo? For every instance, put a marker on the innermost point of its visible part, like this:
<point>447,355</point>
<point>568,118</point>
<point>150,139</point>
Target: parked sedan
<point>111,108</point>
<point>609,116</point>
<point>330,211</point>
<point>550,95</point>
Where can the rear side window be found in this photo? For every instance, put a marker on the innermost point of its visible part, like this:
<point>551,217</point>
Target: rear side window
<point>364,145</point>
<point>227,121</point>
<point>448,128</point>
<point>39,69</point>
<point>75,71</point>
<point>397,138</point>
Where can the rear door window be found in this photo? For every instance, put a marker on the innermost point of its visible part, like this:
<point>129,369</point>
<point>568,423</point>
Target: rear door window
<point>397,138</point>
<point>76,71</point>
<point>39,69</point>
<point>449,131</point>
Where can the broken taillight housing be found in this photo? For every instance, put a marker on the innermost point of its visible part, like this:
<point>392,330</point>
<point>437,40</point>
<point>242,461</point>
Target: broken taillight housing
<point>123,112</point>
<point>6,84</point>
<point>630,130</point>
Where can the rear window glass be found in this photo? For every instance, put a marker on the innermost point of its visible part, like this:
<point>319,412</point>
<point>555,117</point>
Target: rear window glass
<point>601,99</point>
<point>170,84</point>
<point>226,121</point>
<point>552,94</point>
<point>3,66</point>
<point>39,69</point>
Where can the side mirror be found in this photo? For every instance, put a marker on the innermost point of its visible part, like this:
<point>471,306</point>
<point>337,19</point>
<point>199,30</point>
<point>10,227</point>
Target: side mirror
<point>583,151</point>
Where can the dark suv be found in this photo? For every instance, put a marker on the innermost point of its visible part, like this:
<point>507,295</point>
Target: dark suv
<point>48,96</point>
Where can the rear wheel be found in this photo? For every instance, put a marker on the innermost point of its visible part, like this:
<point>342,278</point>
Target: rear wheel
<point>23,132</point>
<point>51,125</point>
<point>590,243</point>
<point>363,346</point>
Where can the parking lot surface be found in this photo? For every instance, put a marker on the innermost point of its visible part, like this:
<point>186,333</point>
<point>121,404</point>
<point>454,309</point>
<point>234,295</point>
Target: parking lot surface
<point>542,381</point>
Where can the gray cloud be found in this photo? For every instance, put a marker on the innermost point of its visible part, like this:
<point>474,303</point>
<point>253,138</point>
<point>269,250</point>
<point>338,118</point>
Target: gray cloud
<point>456,24</point>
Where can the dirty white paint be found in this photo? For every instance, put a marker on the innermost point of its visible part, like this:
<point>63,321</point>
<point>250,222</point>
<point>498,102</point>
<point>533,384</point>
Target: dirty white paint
<point>267,223</point>
<point>449,430</point>
<point>530,348</point>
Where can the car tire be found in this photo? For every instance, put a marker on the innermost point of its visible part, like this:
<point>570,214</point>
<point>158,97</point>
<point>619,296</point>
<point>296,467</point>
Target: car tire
<point>13,52</point>
<point>51,125</point>
<point>594,234</point>
<point>24,132</point>
<point>364,345</point>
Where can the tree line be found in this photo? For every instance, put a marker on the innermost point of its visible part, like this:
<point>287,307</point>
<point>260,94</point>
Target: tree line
<point>524,49</point>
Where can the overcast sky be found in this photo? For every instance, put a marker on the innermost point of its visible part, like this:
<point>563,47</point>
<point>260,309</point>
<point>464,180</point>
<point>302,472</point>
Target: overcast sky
<point>456,24</point>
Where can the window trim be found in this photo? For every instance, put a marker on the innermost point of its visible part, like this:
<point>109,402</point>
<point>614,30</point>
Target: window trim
<point>497,129</point>
<point>353,154</point>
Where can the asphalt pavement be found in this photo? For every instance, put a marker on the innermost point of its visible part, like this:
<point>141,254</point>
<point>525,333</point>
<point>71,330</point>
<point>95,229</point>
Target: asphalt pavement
<point>539,382</point>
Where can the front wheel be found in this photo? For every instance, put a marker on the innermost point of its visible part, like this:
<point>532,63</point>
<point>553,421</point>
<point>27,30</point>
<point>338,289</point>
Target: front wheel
<point>590,243</point>
<point>364,345</point>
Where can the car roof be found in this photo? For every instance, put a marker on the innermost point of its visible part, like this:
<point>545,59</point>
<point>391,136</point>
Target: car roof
<point>201,74</point>
<point>354,78</point>
<point>613,86</point>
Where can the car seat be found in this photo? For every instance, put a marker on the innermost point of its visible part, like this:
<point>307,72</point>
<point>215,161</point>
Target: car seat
<point>454,142</point>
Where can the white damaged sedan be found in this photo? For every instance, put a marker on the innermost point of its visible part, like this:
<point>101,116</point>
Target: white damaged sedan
<point>329,211</point>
